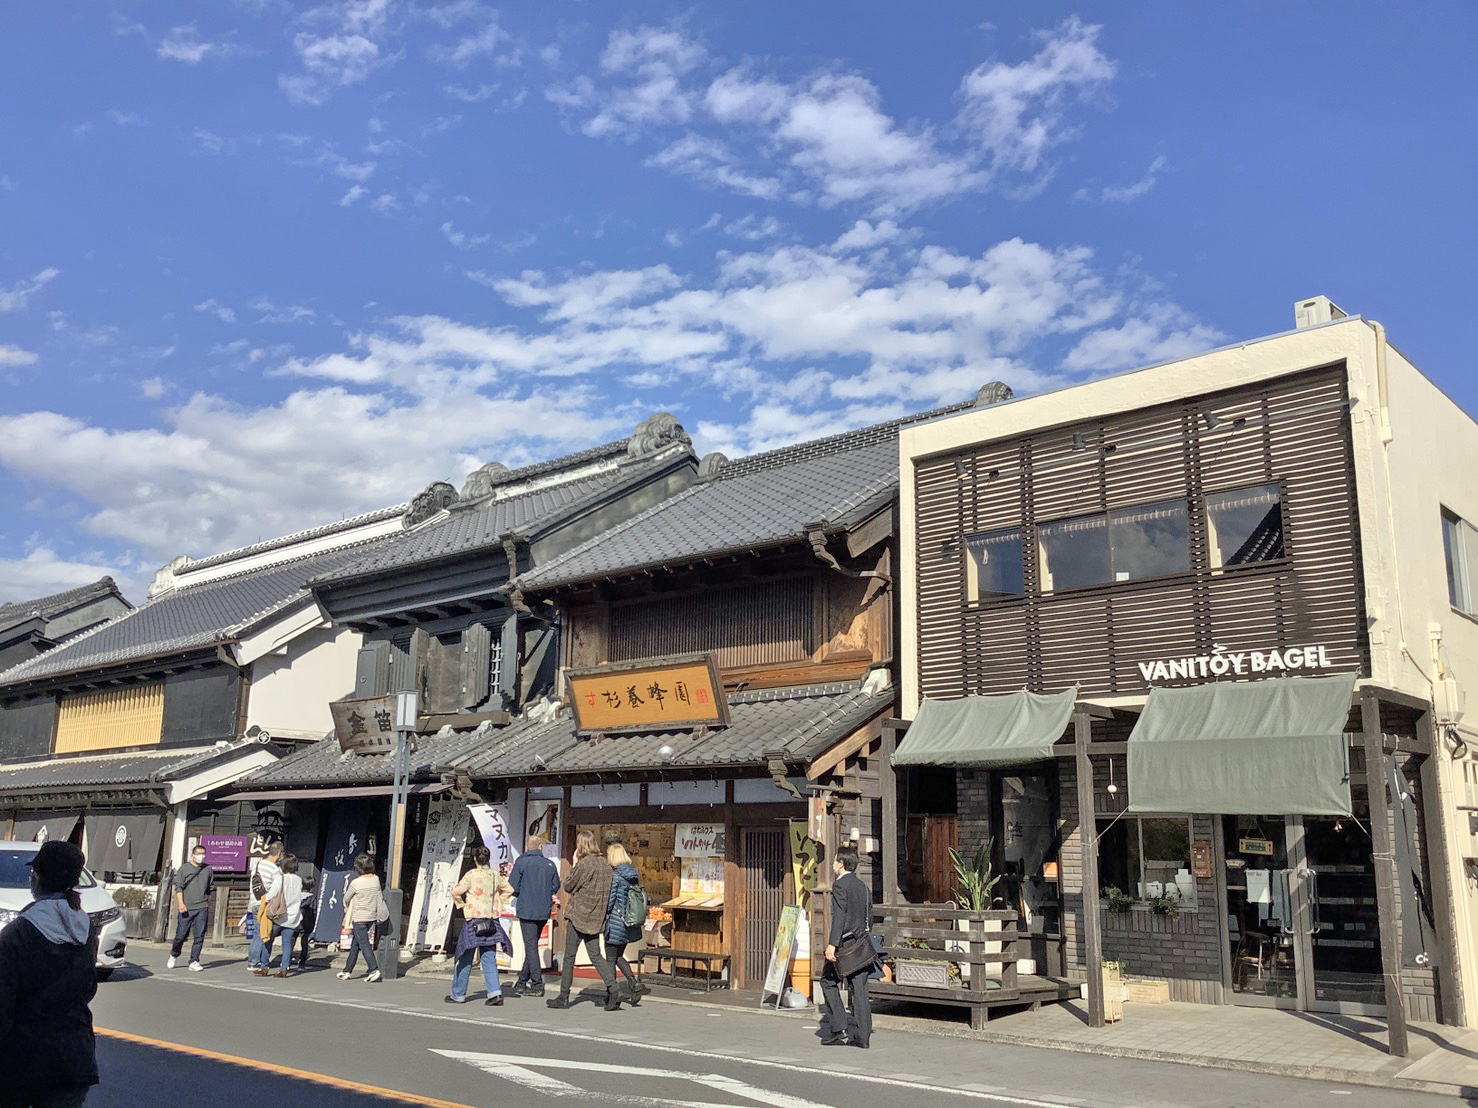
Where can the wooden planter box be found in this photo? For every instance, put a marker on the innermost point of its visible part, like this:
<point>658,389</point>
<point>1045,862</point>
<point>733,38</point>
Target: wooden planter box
<point>1148,992</point>
<point>928,975</point>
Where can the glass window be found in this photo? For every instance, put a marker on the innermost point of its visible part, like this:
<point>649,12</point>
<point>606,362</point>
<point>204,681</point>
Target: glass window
<point>1245,525</point>
<point>1075,552</point>
<point>1147,857</point>
<point>1460,548</point>
<point>15,871</point>
<point>994,567</point>
<point>1151,540</point>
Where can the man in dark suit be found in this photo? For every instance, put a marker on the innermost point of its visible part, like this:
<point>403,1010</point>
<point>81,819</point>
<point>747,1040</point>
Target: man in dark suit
<point>851,915</point>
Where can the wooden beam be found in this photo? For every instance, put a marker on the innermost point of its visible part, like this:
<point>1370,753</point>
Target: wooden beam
<point>889,835</point>
<point>828,760</point>
<point>1439,866</point>
<point>1387,897</point>
<point>1088,838</point>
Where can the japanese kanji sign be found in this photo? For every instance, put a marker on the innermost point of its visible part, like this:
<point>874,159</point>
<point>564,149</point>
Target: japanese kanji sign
<point>678,692</point>
<point>365,726</point>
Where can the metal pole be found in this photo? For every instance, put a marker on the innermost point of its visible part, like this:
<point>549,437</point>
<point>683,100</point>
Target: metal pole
<point>1088,838</point>
<point>1387,896</point>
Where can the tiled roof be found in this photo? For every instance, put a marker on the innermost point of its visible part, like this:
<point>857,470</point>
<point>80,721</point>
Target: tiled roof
<point>323,763</point>
<point>483,527</point>
<point>760,501</point>
<point>377,516</point>
<point>136,769</point>
<point>55,604</point>
<point>183,619</point>
<point>799,723</point>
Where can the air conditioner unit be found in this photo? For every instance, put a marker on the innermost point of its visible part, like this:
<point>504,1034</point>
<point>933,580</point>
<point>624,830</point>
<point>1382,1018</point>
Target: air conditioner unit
<point>1316,310</point>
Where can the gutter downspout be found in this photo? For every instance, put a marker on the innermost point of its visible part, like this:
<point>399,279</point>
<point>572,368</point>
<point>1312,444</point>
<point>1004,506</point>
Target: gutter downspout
<point>817,538</point>
<point>515,594</point>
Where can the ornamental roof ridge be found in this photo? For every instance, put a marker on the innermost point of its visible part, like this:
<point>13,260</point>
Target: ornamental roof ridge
<point>319,531</point>
<point>46,606</point>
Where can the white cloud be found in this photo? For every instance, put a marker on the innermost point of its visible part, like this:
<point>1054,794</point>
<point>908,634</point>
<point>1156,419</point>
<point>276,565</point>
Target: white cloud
<point>706,159</point>
<point>461,240</point>
<point>345,55</point>
<point>863,235</point>
<point>43,572</point>
<point>126,119</point>
<point>209,140</point>
<point>440,125</point>
<point>154,387</point>
<point>1158,333</point>
<point>649,64</point>
<point>14,356</point>
<point>356,192</point>
<point>471,48</point>
<point>385,203</point>
<point>754,228</point>
<point>1126,194</point>
<point>290,313</point>
<point>470,95</point>
<point>183,44</point>
<point>18,296</point>
<point>219,310</point>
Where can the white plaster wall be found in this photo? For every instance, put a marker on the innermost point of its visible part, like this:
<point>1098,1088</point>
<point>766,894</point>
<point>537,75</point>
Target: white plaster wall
<point>290,692</point>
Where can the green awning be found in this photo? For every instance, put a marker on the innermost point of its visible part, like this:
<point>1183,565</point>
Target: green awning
<point>1007,730</point>
<point>1273,747</point>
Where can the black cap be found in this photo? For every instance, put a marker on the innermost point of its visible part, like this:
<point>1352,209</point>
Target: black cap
<point>59,864</point>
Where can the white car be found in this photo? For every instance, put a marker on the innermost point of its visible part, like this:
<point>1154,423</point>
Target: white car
<point>107,917</point>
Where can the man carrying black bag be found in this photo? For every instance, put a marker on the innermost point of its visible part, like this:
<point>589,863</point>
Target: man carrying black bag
<point>849,956</point>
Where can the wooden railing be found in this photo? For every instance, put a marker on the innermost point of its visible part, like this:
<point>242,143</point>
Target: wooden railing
<point>984,957</point>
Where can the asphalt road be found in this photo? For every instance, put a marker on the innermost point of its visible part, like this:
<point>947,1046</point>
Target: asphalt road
<point>223,1035</point>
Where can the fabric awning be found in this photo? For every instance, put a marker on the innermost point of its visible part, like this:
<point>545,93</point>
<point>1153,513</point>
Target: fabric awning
<point>348,792</point>
<point>124,841</point>
<point>40,827</point>
<point>1007,730</point>
<point>1272,747</point>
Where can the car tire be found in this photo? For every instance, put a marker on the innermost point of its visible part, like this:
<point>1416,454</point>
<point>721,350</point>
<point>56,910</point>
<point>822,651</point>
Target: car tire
<point>104,974</point>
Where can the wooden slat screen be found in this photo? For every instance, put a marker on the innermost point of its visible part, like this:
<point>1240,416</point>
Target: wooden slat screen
<point>746,625</point>
<point>125,717</point>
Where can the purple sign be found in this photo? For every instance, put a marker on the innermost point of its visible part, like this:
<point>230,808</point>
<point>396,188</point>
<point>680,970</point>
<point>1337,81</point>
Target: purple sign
<point>226,853</point>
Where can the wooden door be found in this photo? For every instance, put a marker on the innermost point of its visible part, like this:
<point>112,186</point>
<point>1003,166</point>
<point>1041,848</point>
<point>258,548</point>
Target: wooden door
<point>765,860</point>
<point>928,874</point>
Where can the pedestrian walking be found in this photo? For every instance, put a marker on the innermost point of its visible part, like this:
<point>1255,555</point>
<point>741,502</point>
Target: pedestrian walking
<point>193,884</point>
<point>627,900</point>
<point>535,881</point>
<point>289,888</point>
<point>588,889</point>
<point>310,915</point>
<point>851,918</point>
<point>482,894</point>
<point>48,959</point>
<point>262,874</point>
<point>364,908</point>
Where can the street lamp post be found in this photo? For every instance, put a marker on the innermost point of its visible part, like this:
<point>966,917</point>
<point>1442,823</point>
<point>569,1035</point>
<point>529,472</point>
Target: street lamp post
<point>405,727</point>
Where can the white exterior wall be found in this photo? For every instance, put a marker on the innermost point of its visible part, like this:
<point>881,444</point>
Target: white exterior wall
<point>291,688</point>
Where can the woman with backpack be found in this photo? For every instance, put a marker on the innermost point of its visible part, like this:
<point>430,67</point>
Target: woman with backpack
<point>482,894</point>
<point>364,907</point>
<point>626,911</point>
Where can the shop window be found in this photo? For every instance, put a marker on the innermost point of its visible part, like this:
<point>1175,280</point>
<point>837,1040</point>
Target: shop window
<point>1460,548</point>
<point>1151,540</point>
<point>1147,857</point>
<point>1075,552</point>
<point>994,566</point>
<point>1245,525</point>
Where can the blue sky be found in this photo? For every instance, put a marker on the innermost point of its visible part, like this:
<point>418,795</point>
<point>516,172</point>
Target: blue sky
<point>265,264</point>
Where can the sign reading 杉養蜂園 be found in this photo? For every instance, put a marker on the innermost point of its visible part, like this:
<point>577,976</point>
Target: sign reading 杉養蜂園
<point>1237,663</point>
<point>656,694</point>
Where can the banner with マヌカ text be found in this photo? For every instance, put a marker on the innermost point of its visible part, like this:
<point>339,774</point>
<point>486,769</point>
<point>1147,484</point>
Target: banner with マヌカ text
<point>492,825</point>
<point>441,866</point>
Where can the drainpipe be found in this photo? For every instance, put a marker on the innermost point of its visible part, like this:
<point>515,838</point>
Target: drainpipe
<point>515,594</point>
<point>817,539</point>
<point>1381,386</point>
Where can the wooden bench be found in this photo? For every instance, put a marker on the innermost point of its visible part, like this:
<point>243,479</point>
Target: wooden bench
<point>711,963</point>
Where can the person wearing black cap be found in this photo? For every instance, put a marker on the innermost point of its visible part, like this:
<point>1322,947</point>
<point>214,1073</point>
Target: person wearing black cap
<point>47,978</point>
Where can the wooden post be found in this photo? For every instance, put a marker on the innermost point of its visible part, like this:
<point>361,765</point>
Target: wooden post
<point>888,783</point>
<point>1088,838</point>
<point>1434,829</point>
<point>1387,898</point>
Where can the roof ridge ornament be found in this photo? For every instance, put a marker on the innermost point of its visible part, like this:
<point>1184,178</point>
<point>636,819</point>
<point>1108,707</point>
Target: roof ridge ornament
<point>433,499</point>
<point>993,392</point>
<point>655,432</point>
<point>164,578</point>
<point>711,465</point>
<point>480,482</point>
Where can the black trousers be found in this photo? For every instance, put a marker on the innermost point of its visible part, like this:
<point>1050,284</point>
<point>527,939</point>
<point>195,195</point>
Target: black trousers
<point>573,938</point>
<point>858,1022</point>
<point>193,923</point>
<point>532,973</point>
<point>305,932</point>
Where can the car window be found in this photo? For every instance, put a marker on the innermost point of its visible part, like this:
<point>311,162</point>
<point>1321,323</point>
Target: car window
<point>15,874</point>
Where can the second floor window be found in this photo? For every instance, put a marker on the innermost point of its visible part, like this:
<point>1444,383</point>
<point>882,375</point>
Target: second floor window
<point>1126,544</point>
<point>1460,548</point>
<point>1245,525</point>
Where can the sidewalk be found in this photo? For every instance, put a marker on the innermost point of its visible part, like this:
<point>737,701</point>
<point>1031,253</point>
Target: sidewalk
<point>1349,1049</point>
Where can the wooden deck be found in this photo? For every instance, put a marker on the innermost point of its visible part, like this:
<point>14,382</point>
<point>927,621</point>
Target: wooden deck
<point>1031,991</point>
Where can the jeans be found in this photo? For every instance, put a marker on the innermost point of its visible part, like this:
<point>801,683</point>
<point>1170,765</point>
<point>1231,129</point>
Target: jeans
<point>532,973</point>
<point>288,934</point>
<point>257,957</point>
<point>573,938</point>
<point>363,943</point>
<point>463,972</point>
<point>194,923</point>
<point>858,1023</point>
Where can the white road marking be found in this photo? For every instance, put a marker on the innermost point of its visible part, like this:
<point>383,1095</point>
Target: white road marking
<point>584,1037</point>
<point>519,1068</point>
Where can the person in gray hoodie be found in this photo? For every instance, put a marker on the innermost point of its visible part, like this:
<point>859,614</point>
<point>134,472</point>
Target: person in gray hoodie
<point>48,976</point>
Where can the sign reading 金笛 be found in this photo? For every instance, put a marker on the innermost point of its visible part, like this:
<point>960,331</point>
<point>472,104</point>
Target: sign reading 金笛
<point>366,725</point>
<point>641,696</point>
<point>1238,663</point>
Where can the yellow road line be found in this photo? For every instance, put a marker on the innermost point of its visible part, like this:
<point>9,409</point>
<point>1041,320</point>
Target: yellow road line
<point>286,1071</point>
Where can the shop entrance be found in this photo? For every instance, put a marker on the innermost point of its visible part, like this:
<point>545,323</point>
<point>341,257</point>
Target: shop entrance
<point>1302,924</point>
<point>766,858</point>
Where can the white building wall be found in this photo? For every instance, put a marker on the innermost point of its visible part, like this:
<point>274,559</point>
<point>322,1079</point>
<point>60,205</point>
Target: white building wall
<point>291,688</point>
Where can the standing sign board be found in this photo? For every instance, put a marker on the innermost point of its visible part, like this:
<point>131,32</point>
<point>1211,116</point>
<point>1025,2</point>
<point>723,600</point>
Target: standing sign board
<point>682,691</point>
<point>441,866</point>
<point>791,923</point>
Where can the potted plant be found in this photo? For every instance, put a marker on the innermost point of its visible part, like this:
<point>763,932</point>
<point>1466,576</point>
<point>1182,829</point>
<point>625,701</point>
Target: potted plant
<point>138,910</point>
<point>977,882</point>
<point>1116,899</point>
<point>1166,904</point>
<point>920,973</point>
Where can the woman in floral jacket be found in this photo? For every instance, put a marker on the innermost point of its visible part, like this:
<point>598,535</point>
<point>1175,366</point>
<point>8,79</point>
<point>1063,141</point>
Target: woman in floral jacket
<point>482,894</point>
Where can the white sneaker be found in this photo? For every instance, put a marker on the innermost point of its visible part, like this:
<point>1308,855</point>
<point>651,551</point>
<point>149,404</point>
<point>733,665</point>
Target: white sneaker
<point>342,976</point>
<point>372,976</point>
<point>196,967</point>
<point>169,962</point>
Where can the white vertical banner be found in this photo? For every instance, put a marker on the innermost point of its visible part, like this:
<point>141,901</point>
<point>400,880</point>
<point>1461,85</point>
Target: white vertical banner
<point>492,824</point>
<point>441,865</point>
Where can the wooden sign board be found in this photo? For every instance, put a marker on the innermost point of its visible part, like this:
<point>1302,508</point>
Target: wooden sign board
<point>365,725</point>
<point>662,693</point>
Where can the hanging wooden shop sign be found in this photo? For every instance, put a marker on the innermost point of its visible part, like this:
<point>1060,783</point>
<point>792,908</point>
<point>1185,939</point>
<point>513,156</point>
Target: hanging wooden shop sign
<point>682,691</point>
<point>365,725</point>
